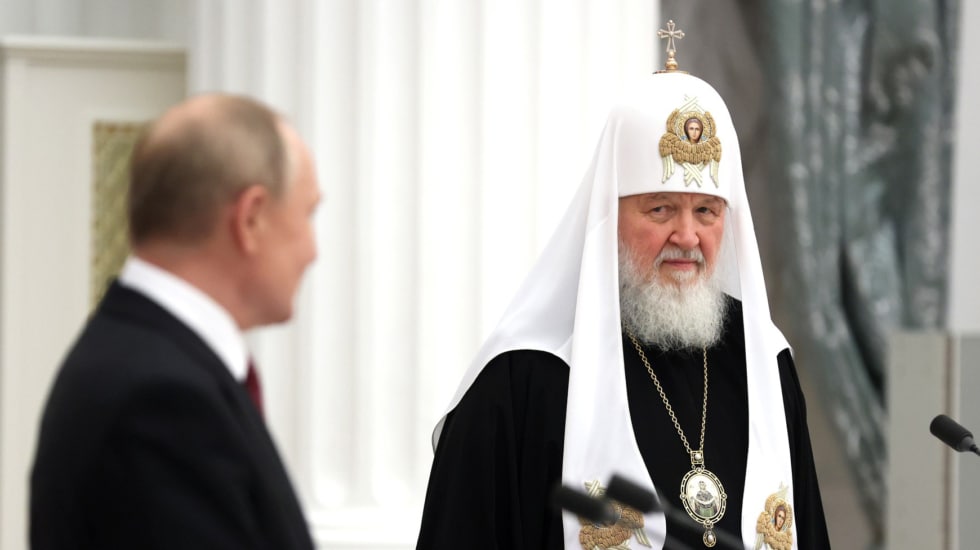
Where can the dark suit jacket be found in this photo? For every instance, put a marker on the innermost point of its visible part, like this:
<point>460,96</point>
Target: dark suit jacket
<point>147,441</point>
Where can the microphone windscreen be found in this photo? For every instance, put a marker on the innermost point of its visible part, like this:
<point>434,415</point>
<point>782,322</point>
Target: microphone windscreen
<point>631,494</point>
<point>593,509</point>
<point>951,433</point>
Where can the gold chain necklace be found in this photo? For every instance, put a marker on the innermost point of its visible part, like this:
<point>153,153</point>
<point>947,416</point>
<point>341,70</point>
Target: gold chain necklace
<point>703,496</point>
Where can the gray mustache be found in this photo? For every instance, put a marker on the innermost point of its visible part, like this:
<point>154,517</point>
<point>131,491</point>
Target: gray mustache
<point>674,253</point>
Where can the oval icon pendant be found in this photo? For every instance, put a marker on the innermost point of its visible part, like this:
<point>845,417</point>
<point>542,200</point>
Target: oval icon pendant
<point>704,500</point>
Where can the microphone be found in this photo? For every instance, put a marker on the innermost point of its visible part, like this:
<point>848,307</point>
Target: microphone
<point>953,434</point>
<point>633,495</point>
<point>581,504</point>
<point>598,510</point>
<point>646,501</point>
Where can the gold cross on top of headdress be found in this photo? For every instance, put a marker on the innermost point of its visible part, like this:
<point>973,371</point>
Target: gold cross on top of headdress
<point>670,34</point>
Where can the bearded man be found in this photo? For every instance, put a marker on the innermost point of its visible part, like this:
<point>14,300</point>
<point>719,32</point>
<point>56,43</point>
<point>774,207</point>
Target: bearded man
<point>641,344</point>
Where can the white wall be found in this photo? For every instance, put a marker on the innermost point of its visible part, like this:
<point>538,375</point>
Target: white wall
<point>964,305</point>
<point>53,92</point>
<point>449,136</point>
<point>163,20</point>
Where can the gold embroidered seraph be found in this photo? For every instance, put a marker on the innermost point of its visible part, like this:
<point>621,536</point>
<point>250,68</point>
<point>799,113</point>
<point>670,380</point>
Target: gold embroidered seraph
<point>693,151</point>
<point>614,536</point>
<point>773,526</point>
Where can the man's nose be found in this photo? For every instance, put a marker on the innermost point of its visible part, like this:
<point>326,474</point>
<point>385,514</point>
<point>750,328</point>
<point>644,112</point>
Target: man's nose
<point>684,235</point>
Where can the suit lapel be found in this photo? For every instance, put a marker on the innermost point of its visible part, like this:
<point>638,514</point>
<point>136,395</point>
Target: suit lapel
<point>133,307</point>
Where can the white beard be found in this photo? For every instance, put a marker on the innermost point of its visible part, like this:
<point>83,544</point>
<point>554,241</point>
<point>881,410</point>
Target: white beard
<point>686,313</point>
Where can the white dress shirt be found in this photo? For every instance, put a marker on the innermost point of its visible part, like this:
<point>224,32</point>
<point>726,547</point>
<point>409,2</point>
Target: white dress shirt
<point>192,307</point>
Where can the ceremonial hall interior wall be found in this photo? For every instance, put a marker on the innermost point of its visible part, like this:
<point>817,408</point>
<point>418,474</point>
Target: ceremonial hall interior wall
<point>449,137</point>
<point>64,104</point>
<point>934,492</point>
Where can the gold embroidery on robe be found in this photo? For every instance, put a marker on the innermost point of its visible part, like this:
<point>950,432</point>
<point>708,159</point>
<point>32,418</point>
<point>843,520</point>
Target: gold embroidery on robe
<point>773,526</point>
<point>614,536</point>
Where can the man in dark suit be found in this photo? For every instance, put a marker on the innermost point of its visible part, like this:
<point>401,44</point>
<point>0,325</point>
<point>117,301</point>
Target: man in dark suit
<point>153,436</point>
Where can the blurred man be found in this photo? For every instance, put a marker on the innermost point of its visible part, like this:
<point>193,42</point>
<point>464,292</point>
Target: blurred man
<point>153,435</point>
<point>641,344</point>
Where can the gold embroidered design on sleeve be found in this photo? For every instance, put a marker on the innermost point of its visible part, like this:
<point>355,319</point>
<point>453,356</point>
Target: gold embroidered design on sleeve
<point>615,536</point>
<point>773,526</point>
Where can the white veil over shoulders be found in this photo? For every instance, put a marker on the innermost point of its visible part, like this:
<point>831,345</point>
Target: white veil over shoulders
<point>569,303</point>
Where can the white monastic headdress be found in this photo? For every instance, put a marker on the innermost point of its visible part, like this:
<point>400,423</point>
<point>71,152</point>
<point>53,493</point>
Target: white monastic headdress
<point>569,303</point>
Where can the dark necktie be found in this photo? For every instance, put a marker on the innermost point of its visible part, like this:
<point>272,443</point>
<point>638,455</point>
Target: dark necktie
<point>253,387</point>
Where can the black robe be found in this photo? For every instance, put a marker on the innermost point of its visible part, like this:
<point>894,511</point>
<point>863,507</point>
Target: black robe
<point>500,451</point>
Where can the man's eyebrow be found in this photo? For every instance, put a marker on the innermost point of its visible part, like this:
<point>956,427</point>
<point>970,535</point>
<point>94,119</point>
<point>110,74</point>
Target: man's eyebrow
<point>654,196</point>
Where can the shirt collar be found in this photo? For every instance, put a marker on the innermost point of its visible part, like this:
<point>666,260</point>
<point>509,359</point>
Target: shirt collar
<point>194,308</point>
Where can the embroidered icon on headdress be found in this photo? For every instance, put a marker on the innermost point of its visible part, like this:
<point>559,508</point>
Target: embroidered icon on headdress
<point>773,526</point>
<point>614,536</point>
<point>691,141</point>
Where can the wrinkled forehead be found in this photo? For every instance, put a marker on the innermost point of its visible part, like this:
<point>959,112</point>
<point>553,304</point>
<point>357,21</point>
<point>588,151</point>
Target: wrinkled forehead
<point>677,196</point>
<point>647,140</point>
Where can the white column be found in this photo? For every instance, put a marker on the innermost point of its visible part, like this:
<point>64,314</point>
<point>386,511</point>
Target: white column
<point>506,228</point>
<point>332,442</point>
<point>387,257</point>
<point>449,137</point>
<point>964,293</point>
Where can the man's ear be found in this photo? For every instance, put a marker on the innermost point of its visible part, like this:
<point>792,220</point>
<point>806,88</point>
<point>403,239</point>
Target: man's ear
<point>248,217</point>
